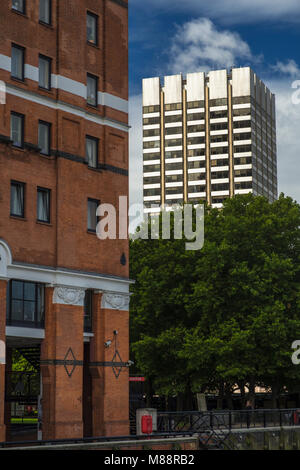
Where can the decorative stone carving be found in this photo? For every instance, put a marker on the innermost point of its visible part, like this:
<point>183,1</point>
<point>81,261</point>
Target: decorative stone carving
<point>115,301</point>
<point>68,296</point>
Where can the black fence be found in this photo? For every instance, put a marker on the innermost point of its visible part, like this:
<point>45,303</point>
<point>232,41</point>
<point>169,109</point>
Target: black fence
<point>226,420</point>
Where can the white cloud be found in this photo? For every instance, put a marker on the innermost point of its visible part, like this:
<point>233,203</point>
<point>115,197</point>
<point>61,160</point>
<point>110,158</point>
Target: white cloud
<point>199,45</point>
<point>290,67</point>
<point>288,124</point>
<point>229,11</point>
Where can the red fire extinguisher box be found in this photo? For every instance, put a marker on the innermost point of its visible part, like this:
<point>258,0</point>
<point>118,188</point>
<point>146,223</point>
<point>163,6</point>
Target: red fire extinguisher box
<point>146,421</point>
<point>147,424</point>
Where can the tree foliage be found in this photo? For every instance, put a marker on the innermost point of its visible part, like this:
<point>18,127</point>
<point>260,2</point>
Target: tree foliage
<point>224,315</point>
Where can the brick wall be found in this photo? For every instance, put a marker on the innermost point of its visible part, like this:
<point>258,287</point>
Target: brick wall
<point>65,242</point>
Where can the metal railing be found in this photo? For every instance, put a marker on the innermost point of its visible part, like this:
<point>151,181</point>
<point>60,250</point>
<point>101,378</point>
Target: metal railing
<point>198,421</point>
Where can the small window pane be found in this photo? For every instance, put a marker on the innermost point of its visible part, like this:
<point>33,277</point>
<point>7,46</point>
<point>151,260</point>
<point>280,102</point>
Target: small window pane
<point>40,303</point>
<point>17,199</point>
<point>29,311</point>
<point>91,152</point>
<point>16,130</point>
<point>45,11</point>
<point>29,291</point>
<point>45,73</point>
<point>92,90</point>
<point>44,138</point>
<point>18,5</point>
<point>17,62</point>
<point>92,217</point>
<point>17,310</point>
<point>91,26</point>
<point>43,205</point>
<point>17,290</point>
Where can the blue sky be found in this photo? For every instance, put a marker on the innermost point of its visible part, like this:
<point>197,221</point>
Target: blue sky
<point>173,36</point>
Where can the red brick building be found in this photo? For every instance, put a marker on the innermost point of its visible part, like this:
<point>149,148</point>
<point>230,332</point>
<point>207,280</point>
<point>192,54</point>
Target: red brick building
<point>64,149</point>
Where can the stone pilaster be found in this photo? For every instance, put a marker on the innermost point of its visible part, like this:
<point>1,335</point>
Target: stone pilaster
<point>62,363</point>
<point>108,366</point>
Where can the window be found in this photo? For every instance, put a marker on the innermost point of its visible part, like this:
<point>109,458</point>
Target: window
<point>195,117</point>
<point>151,120</point>
<point>172,142</point>
<point>92,88</point>
<point>153,132</point>
<point>241,100</point>
<point>44,72</point>
<point>44,137</point>
<point>168,166</point>
<point>92,28</point>
<point>195,140</point>
<point>168,131</point>
<point>218,114</point>
<point>26,306</point>
<point>173,106</point>
<point>17,129</point>
<point>17,192</point>
<point>155,144</point>
<point>151,109</point>
<point>174,190</point>
<point>195,104</point>
<point>43,205</point>
<point>151,192</point>
<point>218,102</point>
<point>45,11</point>
<point>17,62</point>
<point>172,178</point>
<point>216,175</point>
<point>91,146</point>
<point>173,118</point>
<point>197,177</point>
<point>88,310</point>
<point>92,216</point>
<point>152,180</point>
<point>19,5</point>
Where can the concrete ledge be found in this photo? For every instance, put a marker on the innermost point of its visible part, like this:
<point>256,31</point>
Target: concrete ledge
<point>114,444</point>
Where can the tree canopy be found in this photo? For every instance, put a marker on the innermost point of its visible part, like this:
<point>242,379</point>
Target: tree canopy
<point>227,314</point>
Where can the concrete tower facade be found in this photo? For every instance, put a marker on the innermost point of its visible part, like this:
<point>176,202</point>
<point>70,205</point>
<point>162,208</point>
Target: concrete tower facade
<point>208,137</point>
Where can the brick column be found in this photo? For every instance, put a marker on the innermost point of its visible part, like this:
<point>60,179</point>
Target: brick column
<point>3,287</point>
<point>62,364</point>
<point>110,376</point>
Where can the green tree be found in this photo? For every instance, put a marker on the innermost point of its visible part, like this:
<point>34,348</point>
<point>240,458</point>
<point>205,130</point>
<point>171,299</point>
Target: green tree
<point>227,314</point>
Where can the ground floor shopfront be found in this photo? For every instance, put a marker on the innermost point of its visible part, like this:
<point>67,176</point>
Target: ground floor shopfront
<point>74,328</point>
